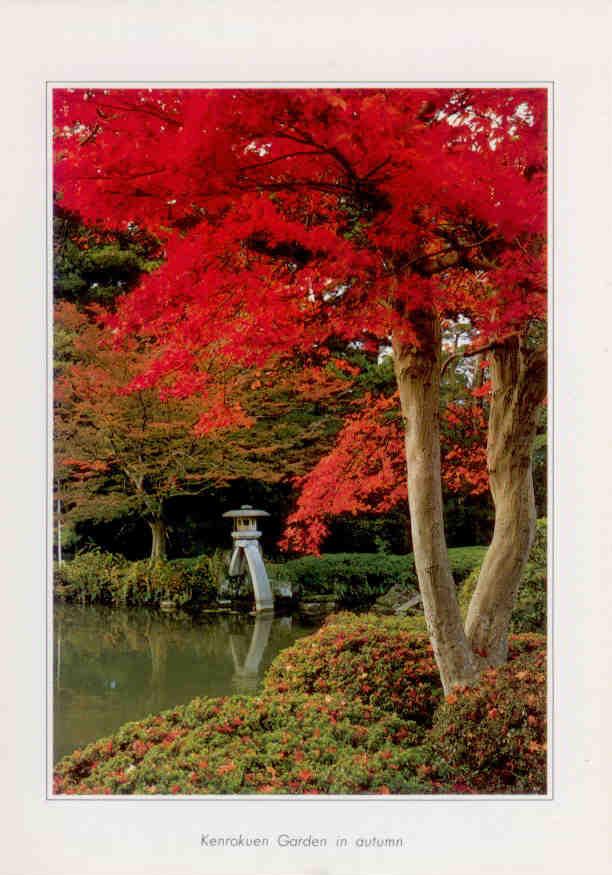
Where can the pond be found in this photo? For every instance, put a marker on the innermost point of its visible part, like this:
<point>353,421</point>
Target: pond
<point>114,665</point>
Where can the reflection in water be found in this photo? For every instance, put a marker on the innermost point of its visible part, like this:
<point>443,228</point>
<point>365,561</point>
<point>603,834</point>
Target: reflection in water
<point>247,671</point>
<point>116,665</point>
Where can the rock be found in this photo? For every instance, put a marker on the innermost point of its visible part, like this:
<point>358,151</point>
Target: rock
<point>317,606</point>
<point>282,589</point>
<point>398,600</point>
<point>407,606</point>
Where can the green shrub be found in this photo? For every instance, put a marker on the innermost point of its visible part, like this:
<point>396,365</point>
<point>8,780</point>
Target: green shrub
<point>273,744</point>
<point>358,578</point>
<point>529,613</point>
<point>467,591</point>
<point>199,576</point>
<point>383,661</point>
<point>353,578</point>
<point>493,735</point>
<point>379,660</point>
<point>88,577</point>
<point>103,577</point>
<point>463,560</point>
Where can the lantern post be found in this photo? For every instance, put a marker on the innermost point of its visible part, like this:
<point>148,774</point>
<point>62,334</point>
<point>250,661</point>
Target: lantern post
<point>247,554</point>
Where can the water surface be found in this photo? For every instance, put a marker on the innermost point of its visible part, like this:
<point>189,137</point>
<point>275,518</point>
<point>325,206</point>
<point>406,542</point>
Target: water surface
<point>113,665</point>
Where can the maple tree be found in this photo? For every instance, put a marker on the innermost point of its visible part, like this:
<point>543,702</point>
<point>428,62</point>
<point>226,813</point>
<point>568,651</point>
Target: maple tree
<point>120,448</point>
<point>294,221</point>
<point>119,451</point>
<point>365,472</point>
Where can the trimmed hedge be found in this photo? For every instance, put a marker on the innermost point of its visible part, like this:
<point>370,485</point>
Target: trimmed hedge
<point>529,613</point>
<point>96,576</point>
<point>356,578</point>
<point>294,744</point>
<point>380,660</point>
<point>493,735</point>
<point>375,659</point>
<point>463,560</point>
<point>351,578</point>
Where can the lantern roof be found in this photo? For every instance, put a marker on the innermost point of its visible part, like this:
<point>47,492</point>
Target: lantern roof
<point>245,511</point>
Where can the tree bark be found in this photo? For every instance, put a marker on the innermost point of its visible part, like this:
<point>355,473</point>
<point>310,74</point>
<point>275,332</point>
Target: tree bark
<point>417,371</point>
<point>518,380</point>
<point>158,538</point>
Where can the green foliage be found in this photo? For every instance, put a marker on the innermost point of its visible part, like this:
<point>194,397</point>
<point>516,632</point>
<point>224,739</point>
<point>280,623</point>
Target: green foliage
<point>96,576</point>
<point>386,662</point>
<point>357,578</point>
<point>540,463</point>
<point>273,744</point>
<point>493,735</point>
<point>379,660</point>
<point>91,267</point>
<point>468,519</point>
<point>98,274</point>
<point>467,590</point>
<point>380,533</point>
<point>529,613</point>
<point>463,560</point>
<point>88,577</point>
<point>353,578</point>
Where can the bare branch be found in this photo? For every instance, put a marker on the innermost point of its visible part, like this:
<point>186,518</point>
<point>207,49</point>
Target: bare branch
<point>249,167</point>
<point>464,355</point>
<point>378,167</point>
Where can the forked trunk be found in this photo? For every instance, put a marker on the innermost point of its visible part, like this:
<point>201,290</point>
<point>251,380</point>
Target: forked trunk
<point>518,379</point>
<point>158,539</point>
<point>417,371</point>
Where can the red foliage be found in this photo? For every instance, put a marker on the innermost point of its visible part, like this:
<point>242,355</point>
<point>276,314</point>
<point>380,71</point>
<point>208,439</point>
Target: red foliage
<point>493,734</point>
<point>295,217</point>
<point>365,472</point>
<point>295,221</point>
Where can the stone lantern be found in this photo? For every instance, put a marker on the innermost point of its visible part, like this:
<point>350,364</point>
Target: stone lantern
<point>248,554</point>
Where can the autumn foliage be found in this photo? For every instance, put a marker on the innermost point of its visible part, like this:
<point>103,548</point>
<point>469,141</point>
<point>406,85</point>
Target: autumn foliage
<point>294,744</point>
<point>365,472</point>
<point>122,444</point>
<point>348,710</point>
<point>493,735</point>
<point>293,219</point>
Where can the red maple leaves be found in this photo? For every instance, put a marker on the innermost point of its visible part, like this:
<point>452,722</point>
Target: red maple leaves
<point>297,217</point>
<point>296,222</point>
<point>365,472</point>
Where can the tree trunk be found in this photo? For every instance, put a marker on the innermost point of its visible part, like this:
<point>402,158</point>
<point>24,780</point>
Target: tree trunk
<point>518,378</point>
<point>158,538</point>
<point>417,371</point>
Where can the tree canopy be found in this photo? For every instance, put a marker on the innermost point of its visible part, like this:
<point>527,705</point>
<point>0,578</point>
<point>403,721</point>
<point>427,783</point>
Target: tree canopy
<point>293,219</point>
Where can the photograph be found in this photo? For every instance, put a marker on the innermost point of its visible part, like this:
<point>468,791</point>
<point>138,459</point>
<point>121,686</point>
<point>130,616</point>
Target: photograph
<point>301,464</point>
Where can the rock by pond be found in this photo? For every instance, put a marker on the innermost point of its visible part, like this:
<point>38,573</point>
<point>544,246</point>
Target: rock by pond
<point>399,600</point>
<point>317,606</point>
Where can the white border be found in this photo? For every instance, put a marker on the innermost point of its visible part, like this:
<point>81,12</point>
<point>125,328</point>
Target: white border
<point>215,41</point>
